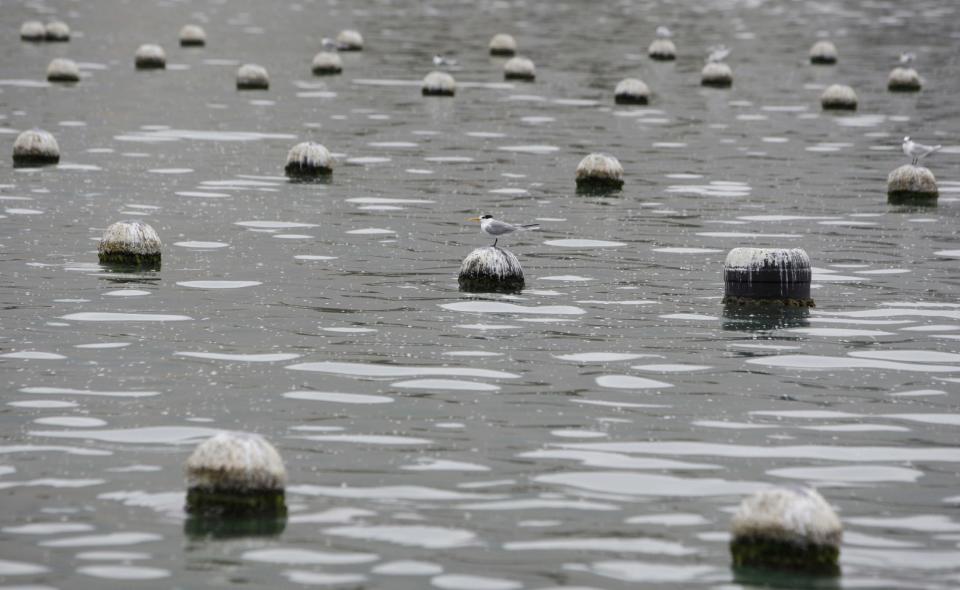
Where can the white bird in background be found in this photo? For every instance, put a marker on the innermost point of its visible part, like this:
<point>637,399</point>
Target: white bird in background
<point>440,60</point>
<point>917,151</point>
<point>331,45</point>
<point>663,32</point>
<point>718,53</point>
<point>907,57</point>
<point>496,228</point>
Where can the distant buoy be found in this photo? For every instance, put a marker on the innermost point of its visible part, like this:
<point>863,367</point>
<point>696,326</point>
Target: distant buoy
<point>349,41</point>
<point>839,97</point>
<point>767,276</point>
<point>307,160</point>
<point>326,63</point>
<point>192,36</point>
<point>503,44</point>
<point>439,84</point>
<point>519,68</point>
<point>63,70</point>
<point>911,184</point>
<point>787,528</point>
<point>57,31</point>
<point>35,147</point>
<point>823,53</point>
<point>130,243</point>
<point>252,77</point>
<point>631,91</point>
<point>599,172</point>
<point>490,269</point>
<point>235,474</point>
<point>662,50</point>
<point>904,80</point>
<point>33,30</point>
<point>717,75</point>
<point>150,57</point>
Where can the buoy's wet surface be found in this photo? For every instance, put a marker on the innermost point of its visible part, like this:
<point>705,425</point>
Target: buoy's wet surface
<point>595,430</point>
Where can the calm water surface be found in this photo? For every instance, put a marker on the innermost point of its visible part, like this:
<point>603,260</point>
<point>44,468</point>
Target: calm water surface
<point>593,431</point>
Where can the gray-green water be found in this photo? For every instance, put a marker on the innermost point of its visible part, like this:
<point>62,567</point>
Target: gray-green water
<point>595,430</point>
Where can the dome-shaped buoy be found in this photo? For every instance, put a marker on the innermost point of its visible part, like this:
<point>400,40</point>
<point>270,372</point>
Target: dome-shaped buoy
<point>787,528</point>
<point>823,53</point>
<point>839,97</point>
<point>904,80</point>
<point>662,50</point>
<point>599,173</point>
<point>767,276</point>
<point>130,243</point>
<point>503,44</point>
<point>349,40</point>
<point>490,269</point>
<point>192,36</point>
<point>252,77</point>
<point>35,147</point>
<point>717,75</point>
<point>235,474</point>
<point>912,184</point>
<point>631,91</point>
<point>150,57</point>
<point>63,70</point>
<point>519,68</point>
<point>57,31</point>
<point>439,84</point>
<point>326,63</point>
<point>33,30</point>
<point>309,160</point>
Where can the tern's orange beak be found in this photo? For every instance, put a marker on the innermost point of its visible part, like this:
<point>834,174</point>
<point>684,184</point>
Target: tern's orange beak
<point>473,219</point>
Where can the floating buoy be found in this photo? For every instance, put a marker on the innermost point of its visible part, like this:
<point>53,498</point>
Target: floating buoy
<point>35,147</point>
<point>490,269</point>
<point>192,36</point>
<point>631,91</point>
<point>823,53</point>
<point>63,70</point>
<point>235,474</point>
<point>349,41</point>
<point>904,80</point>
<point>326,63</point>
<point>57,31</point>
<point>503,44</point>
<point>839,97</point>
<point>767,276</point>
<point>308,160</point>
<point>33,30</point>
<point>599,173</point>
<point>130,243</point>
<point>150,57</point>
<point>439,84</point>
<point>519,68</point>
<point>662,50</point>
<point>911,184</point>
<point>252,77</point>
<point>787,528</point>
<point>717,75</point>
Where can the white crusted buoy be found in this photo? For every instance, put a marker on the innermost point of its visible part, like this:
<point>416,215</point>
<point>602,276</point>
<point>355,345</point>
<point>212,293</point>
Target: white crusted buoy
<point>599,172</point>
<point>349,40</point>
<point>503,44</point>
<point>150,57</point>
<point>904,80</point>
<point>519,68</point>
<point>439,84</point>
<point>63,70</point>
<point>823,53</point>
<point>33,30</point>
<point>490,269</point>
<point>662,50</point>
<point>767,276</point>
<point>34,147</point>
<point>910,184</point>
<point>235,474</point>
<point>192,36</point>
<point>131,243</point>
<point>631,91</point>
<point>326,63</point>
<point>787,528</point>
<point>839,97</point>
<point>308,159</point>
<point>252,77</point>
<point>57,31</point>
<point>716,74</point>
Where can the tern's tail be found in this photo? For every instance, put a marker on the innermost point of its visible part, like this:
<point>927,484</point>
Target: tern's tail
<point>530,226</point>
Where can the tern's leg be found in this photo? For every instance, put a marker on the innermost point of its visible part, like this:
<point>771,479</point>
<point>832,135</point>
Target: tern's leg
<point>495,242</point>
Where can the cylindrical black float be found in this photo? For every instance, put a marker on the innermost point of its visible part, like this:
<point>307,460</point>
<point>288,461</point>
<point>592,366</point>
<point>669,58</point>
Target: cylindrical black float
<point>767,276</point>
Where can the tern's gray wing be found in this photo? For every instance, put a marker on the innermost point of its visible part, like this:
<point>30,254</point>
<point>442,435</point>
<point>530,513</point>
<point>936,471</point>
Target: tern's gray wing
<point>499,228</point>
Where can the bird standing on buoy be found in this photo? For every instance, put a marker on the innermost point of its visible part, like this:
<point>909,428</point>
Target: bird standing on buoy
<point>917,151</point>
<point>496,228</point>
